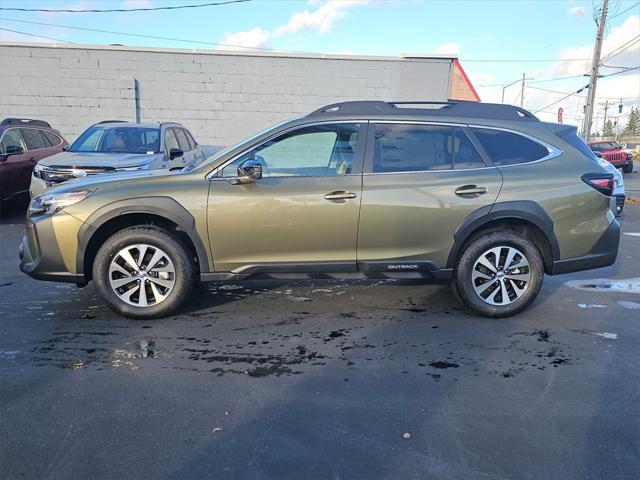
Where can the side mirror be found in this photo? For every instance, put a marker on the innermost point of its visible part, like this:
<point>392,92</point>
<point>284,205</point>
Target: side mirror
<point>175,153</point>
<point>13,150</point>
<point>597,154</point>
<point>248,172</point>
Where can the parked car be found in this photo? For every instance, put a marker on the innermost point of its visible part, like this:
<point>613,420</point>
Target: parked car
<point>618,189</point>
<point>22,143</point>
<point>484,196</point>
<point>115,146</point>
<point>613,153</point>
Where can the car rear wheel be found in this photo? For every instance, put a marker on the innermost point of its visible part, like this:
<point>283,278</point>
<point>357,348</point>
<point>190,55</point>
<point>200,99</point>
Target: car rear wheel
<point>628,167</point>
<point>499,274</point>
<point>143,272</point>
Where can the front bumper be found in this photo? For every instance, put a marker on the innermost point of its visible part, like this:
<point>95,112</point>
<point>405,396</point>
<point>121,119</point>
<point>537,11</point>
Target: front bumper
<point>603,253</point>
<point>40,254</point>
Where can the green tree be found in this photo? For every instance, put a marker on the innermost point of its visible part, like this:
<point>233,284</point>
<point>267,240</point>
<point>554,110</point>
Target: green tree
<point>607,130</point>
<point>633,122</point>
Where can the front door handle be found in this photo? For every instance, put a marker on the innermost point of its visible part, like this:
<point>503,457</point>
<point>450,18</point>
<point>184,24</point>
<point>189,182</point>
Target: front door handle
<point>470,191</point>
<point>339,195</point>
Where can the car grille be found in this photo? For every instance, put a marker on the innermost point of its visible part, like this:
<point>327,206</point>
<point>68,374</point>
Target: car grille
<point>56,174</point>
<point>616,157</point>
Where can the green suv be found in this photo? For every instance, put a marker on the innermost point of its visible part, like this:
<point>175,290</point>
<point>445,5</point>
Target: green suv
<point>483,196</point>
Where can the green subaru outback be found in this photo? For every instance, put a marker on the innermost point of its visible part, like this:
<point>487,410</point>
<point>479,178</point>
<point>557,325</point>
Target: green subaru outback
<point>483,196</point>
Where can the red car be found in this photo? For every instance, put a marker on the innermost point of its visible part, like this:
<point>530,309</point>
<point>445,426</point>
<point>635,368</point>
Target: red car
<point>22,143</point>
<point>612,152</point>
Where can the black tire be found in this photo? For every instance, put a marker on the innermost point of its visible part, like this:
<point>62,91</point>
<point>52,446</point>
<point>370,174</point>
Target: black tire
<point>175,250</point>
<point>628,167</point>
<point>481,244</point>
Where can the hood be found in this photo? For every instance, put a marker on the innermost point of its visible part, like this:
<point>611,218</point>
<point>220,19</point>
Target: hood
<point>95,181</point>
<point>93,159</point>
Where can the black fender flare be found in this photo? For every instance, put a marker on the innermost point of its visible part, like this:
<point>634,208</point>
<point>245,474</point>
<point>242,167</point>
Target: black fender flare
<point>165,207</point>
<point>526,210</point>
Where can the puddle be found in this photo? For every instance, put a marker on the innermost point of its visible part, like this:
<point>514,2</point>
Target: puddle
<point>628,305</point>
<point>595,305</point>
<point>628,285</point>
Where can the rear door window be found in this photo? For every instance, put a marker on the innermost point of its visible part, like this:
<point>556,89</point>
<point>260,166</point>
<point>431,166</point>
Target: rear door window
<point>507,148</point>
<point>192,142</point>
<point>419,148</point>
<point>34,138</point>
<point>12,138</point>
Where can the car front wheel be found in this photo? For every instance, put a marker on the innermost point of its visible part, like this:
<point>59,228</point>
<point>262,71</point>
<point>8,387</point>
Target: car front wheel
<point>628,167</point>
<point>499,274</point>
<point>143,272</point>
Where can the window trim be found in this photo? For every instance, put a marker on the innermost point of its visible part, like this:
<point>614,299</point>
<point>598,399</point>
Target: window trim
<point>552,150</point>
<point>358,163</point>
<point>27,143</point>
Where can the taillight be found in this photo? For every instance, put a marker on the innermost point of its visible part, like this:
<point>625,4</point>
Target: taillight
<point>603,182</point>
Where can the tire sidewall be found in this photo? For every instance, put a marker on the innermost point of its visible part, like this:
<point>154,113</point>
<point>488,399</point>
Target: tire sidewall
<point>471,254</point>
<point>156,237</point>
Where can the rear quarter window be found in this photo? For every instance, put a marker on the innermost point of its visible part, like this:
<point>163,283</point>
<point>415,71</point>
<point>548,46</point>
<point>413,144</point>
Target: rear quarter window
<point>506,148</point>
<point>54,140</point>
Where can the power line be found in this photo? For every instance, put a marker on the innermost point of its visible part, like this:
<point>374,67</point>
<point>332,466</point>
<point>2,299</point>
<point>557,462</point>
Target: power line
<point>244,46</point>
<point>172,39</point>
<point>566,96</point>
<point>626,46</point>
<point>567,93</point>
<point>624,11</point>
<point>529,60</point>
<point>38,36</point>
<point>140,9</point>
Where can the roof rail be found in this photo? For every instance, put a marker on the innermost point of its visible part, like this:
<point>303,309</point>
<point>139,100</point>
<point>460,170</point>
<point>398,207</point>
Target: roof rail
<point>25,121</point>
<point>454,108</point>
<point>111,121</point>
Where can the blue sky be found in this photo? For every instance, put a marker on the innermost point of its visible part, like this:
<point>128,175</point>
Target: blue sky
<point>552,30</point>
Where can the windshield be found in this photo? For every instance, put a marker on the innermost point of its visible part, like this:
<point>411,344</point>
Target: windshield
<point>604,146</point>
<point>118,140</point>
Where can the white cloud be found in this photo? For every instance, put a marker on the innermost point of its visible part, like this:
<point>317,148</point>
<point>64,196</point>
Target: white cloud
<point>451,48</point>
<point>254,38</point>
<point>577,11</point>
<point>320,19</point>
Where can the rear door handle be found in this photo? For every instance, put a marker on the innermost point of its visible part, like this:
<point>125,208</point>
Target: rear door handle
<point>470,191</point>
<point>339,195</point>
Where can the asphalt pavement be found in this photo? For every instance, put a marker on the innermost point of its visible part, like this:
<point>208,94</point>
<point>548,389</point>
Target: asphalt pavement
<point>323,379</point>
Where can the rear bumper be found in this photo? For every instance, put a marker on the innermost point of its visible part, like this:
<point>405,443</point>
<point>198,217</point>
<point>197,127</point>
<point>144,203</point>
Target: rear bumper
<point>603,253</point>
<point>619,206</point>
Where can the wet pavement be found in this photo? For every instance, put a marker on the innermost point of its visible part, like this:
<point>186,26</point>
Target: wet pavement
<point>323,379</point>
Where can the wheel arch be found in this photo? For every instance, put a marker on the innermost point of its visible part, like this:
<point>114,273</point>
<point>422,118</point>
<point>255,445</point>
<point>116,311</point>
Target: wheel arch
<point>164,212</point>
<point>524,217</point>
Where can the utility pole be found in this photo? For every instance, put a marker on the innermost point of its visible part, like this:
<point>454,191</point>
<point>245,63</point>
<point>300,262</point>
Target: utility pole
<point>522,92</point>
<point>595,65</point>
<point>604,123</point>
<point>513,83</point>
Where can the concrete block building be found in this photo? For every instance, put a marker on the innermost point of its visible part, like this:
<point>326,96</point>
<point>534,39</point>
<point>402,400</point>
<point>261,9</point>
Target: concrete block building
<point>222,96</point>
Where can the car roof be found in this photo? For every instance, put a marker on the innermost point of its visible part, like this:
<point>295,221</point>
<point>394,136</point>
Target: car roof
<point>452,109</point>
<point>123,124</point>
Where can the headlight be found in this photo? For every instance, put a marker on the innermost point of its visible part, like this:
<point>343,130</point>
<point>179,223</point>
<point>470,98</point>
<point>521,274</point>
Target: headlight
<point>50,203</point>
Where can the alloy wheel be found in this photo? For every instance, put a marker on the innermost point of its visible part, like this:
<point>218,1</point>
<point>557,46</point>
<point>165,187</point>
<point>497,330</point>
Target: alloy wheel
<point>142,275</point>
<point>501,275</point>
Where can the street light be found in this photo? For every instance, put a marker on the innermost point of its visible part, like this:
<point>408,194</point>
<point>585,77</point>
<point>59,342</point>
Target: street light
<point>513,83</point>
